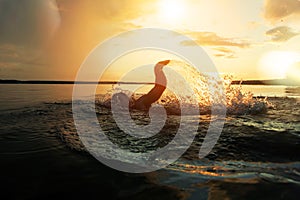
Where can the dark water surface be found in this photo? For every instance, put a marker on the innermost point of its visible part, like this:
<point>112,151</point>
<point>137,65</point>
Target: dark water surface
<point>256,157</point>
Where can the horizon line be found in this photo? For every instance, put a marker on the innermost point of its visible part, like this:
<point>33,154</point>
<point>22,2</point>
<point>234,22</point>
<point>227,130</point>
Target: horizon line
<point>234,82</point>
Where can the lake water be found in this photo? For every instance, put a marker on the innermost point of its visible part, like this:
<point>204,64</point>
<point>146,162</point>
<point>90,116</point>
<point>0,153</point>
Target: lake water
<point>256,157</point>
<point>21,95</point>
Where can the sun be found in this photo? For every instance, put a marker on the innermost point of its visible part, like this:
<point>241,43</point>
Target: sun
<point>275,64</point>
<point>171,11</point>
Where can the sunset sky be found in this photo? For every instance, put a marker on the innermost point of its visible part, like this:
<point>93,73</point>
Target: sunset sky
<point>49,39</point>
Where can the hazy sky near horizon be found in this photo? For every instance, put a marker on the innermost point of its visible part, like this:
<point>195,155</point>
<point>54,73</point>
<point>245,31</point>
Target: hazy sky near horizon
<point>49,39</point>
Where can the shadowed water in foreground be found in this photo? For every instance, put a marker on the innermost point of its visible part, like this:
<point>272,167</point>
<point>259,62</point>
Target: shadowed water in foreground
<point>255,157</point>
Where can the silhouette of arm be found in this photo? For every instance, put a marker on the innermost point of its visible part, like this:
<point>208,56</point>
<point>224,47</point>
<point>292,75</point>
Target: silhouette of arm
<point>145,101</point>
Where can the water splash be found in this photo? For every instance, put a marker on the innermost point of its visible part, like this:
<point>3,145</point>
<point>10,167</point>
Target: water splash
<point>209,89</point>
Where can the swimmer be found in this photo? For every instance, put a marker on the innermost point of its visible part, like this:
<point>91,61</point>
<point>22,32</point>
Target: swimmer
<point>145,101</point>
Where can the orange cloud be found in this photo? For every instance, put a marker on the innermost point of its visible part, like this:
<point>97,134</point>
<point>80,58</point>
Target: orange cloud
<point>212,39</point>
<point>281,34</point>
<point>276,10</point>
<point>224,52</point>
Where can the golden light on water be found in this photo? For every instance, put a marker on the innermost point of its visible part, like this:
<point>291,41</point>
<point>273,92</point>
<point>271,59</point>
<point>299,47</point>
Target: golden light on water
<point>202,170</point>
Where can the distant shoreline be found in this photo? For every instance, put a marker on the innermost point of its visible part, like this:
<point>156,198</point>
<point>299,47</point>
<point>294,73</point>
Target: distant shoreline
<point>283,82</point>
<point>67,82</point>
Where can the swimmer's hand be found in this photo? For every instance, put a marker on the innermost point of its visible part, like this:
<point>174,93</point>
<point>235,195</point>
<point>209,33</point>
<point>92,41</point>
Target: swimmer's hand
<point>163,63</point>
